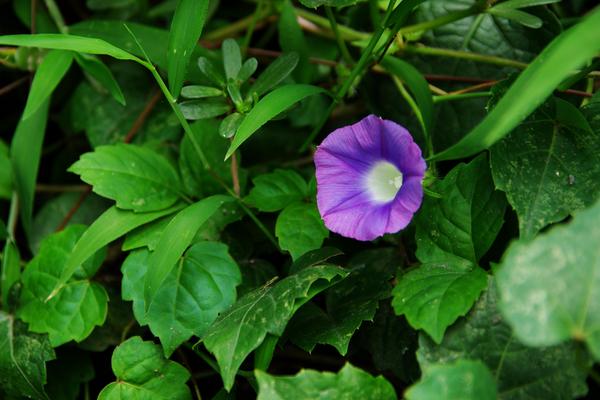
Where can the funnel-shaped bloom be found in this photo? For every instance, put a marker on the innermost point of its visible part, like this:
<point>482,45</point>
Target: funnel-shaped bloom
<point>369,178</point>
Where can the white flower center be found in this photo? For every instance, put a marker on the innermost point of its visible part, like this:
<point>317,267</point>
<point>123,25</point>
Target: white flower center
<point>383,181</point>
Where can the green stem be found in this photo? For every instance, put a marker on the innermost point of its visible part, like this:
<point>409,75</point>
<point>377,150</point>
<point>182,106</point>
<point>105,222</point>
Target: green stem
<point>13,214</point>
<point>230,30</point>
<point>465,55</point>
<point>413,105</point>
<point>56,16</point>
<point>345,32</point>
<point>451,97</point>
<point>250,31</point>
<point>264,353</point>
<point>443,20</point>
<point>349,81</point>
<point>340,41</point>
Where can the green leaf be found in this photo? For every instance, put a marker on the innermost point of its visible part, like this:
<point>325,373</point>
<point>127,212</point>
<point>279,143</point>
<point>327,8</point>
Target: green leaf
<point>198,92</point>
<point>269,107</point>
<point>460,227</point>
<point>349,383</point>
<point>417,85</point>
<point>314,257</point>
<point>243,327</point>
<point>521,17</point>
<point>100,73</point>
<point>204,108</point>
<point>68,42</point>
<point>23,356</point>
<point>143,373</point>
<point>111,225</point>
<point>275,73</point>
<point>463,379</point>
<point>211,72</point>
<point>202,285</point>
<point>25,153</point>
<point>433,296</point>
<point>550,286</point>
<point>186,29</point>
<point>247,70</point>
<point>11,271</point>
<point>232,58</point>
<point>484,335</point>
<point>348,303</point>
<point>80,306</point>
<point>176,237</point>
<point>136,177</point>
<point>568,52</point>
<point>50,72</point>
<point>277,190</point>
<point>547,168</point>
<point>291,39</point>
<point>512,4</point>
<point>230,124</point>
<point>331,3</point>
<point>6,174</point>
<point>299,229</point>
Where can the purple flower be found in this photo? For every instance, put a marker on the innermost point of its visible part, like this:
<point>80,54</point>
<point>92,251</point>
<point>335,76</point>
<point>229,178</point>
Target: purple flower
<point>369,178</point>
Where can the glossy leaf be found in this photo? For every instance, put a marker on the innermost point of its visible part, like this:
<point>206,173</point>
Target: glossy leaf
<point>463,379</point>
<point>243,327</point>
<point>299,229</point>
<point>569,51</point>
<point>248,69</point>
<point>198,92</point>
<point>433,296</point>
<point>521,17</point>
<point>550,286</point>
<point>277,190</point>
<point>111,225</point>
<point>25,152</point>
<point>202,285</point>
<point>267,108</point>
<point>484,335</point>
<point>547,166</point>
<point>204,109</point>
<point>143,372</point>
<point>23,357</point>
<point>174,240</point>
<point>100,73</point>
<point>136,177</point>
<point>232,58</point>
<point>48,75</point>
<point>461,226</point>
<point>186,28</point>
<point>349,383</point>
<point>68,42</point>
<point>81,305</point>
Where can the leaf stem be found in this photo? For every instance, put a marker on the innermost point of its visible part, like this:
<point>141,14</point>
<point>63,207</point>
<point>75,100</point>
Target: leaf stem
<point>13,214</point>
<point>349,81</point>
<point>460,96</point>
<point>56,16</point>
<point>466,55</point>
<point>338,38</point>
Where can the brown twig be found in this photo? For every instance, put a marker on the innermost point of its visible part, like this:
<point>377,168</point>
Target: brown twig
<point>235,178</point>
<point>13,85</point>
<point>44,188</point>
<point>474,88</point>
<point>139,121</point>
<point>73,209</point>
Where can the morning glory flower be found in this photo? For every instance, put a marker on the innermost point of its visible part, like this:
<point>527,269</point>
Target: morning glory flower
<point>369,178</point>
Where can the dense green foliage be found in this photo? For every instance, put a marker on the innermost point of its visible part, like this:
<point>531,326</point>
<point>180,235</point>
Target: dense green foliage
<point>161,234</point>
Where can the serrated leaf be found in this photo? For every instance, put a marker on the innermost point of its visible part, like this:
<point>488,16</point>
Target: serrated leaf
<point>243,327</point>
<point>143,372</point>
<point>348,303</point>
<point>201,286</point>
<point>550,286</point>
<point>80,306</point>
<point>548,168</point>
<point>433,296</point>
<point>349,383</point>
<point>174,240</point>
<point>299,228</point>
<point>186,28</point>
<point>275,73</point>
<point>461,226</point>
<point>568,52</point>
<point>99,72</point>
<point>136,177</point>
<point>463,379</point>
<point>484,335</point>
<point>268,108</point>
<point>23,357</point>
<point>276,190</point>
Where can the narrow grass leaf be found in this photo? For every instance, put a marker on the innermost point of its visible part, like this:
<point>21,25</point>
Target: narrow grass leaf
<point>99,72</point>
